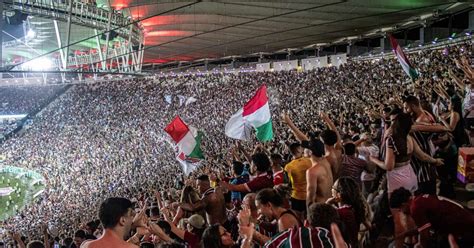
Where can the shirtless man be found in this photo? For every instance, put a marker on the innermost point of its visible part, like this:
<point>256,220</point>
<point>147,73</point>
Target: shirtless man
<point>319,177</point>
<point>117,216</point>
<point>333,154</point>
<point>212,201</point>
<point>333,145</point>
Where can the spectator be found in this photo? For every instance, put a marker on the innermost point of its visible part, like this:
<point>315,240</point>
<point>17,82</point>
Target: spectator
<point>431,212</point>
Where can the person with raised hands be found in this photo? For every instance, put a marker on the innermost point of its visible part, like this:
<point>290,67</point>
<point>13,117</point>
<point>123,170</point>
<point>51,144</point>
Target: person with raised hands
<point>192,234</point>
<point>332,144</point>
<point>319,178</point>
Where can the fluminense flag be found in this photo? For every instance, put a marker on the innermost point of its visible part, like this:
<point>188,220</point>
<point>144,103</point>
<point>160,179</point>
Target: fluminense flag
<point>255,114</point>
<point>187,164</point>
<point>402,58</point>
<point>186,138</point>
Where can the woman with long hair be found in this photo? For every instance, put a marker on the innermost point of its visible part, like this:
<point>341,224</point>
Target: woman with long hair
<point>351,206</point>
<point>399,148</point>
<point>456,123</point>
<point>188,195</point>
<point>216,236</point>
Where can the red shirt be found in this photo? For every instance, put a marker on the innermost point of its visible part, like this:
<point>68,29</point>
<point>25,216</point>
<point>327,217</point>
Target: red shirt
<point>278,178</point>
<point>347,215</point>
<point>261,181</point>
<point>192,239</point>
<point>442,215</point>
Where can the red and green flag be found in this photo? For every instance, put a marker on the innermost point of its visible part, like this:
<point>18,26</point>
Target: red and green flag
<point>403,59</point>
<point>186,138</point>
<point>254,115</point>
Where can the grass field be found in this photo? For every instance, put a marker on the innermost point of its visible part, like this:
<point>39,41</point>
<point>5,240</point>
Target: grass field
<point>23,194</point>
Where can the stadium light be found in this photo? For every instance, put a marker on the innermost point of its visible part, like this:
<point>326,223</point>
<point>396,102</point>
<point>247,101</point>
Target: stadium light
<point>30,34</point>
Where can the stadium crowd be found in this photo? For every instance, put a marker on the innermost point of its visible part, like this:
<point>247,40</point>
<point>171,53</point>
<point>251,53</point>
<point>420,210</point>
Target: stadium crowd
<point>21,101</point>
<point>356,148</point>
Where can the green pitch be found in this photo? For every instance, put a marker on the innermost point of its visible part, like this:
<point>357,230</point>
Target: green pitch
<point>26,185</point>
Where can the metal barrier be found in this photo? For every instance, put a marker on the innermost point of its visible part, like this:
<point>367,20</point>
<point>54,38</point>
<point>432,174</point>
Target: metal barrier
<point>83,14</point>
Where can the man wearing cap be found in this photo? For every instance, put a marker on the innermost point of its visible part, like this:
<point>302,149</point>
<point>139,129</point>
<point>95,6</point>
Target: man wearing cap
<point>192,236</point>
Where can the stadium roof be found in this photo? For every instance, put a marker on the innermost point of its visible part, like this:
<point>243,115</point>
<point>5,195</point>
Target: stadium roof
<point>213,29</point>
<point>187,31</point>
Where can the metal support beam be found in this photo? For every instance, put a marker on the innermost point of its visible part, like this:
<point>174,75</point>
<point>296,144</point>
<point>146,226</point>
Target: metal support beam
<point>68,33</point>
<point>142,52</point>
<point>1,38</point>
<point>58,39</point>
<point>104,63</point>
<point>129,48</point>
<point>138,57</point>
<point>62,56</point>
<point>99,48</point>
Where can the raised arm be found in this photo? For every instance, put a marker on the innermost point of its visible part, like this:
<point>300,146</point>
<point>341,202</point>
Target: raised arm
<point>178,216</point>
<point>44,229</point>
<point>155,229</point>
<point>457,80</point>
<point>16,237</point>
<point>300,136</point>
<point>453,121</point>
<point>158,199</point>
<point>466,67</point>
<point>332,127</point>
<point>177,231</point>
<point>244,152</point>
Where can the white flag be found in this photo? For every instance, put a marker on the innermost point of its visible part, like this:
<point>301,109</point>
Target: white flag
<point>190,100</point>
<point>168,99</point>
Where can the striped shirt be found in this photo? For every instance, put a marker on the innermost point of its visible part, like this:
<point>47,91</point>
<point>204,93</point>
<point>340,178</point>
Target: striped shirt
<point>423,170</point>
<point>301,237</point>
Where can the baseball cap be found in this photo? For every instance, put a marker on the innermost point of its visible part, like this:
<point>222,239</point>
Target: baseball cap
<point>315,145</point>
<point>196,221</point>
